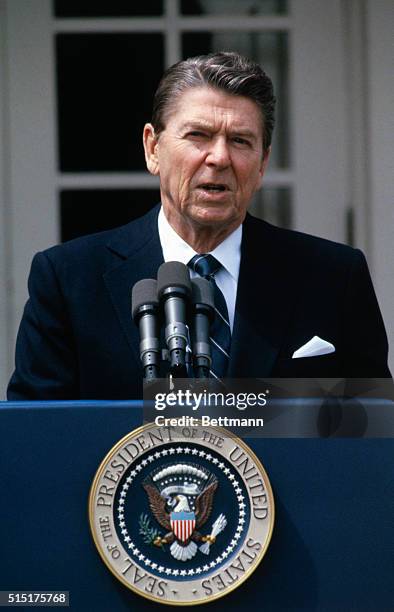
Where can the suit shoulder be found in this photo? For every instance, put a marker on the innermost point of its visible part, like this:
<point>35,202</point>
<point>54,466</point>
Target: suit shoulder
<point>302,245</point>
<point>80,245</point>
<point>121,239</point>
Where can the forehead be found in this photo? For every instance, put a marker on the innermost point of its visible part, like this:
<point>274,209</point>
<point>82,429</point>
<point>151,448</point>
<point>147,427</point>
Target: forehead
<point>208,105</point>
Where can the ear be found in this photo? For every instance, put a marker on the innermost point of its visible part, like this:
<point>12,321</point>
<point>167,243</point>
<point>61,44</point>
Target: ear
<point>264,164</point>
<point>150,148</point>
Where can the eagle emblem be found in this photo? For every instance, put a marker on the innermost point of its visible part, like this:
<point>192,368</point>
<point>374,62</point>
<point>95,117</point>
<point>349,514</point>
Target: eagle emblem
<point>181,498</point>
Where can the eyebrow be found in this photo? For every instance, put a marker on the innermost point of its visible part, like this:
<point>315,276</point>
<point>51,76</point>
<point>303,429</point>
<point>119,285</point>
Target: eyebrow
<point>201,124</point>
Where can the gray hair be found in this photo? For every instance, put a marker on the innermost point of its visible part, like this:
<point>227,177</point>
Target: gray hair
<point>227,71</point>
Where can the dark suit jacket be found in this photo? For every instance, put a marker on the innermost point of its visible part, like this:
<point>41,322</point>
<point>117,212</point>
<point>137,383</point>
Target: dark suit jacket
<point>77,339</point>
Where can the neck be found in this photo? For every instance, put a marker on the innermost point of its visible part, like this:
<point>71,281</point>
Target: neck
<point>203,242</point>
<point>202,238</point>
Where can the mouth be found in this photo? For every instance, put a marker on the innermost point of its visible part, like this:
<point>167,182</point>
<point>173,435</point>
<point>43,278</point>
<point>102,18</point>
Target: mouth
<point>213,187</point>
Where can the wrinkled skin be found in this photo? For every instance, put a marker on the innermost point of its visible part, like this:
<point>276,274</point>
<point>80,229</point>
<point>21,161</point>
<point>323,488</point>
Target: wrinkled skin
<point>210,161</point>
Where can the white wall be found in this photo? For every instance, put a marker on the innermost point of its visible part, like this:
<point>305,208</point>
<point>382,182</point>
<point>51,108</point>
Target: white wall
<point>381,136</point>
<point>5,277</point>
<point>28,221</point>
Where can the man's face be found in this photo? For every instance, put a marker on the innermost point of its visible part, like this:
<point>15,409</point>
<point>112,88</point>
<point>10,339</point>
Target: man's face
<point>209,158</point>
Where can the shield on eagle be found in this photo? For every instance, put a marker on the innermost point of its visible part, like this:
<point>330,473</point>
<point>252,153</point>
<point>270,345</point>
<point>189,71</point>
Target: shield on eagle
<point>183,524</point>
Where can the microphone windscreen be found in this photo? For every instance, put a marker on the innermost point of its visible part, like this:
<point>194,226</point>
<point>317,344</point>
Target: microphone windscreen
<point>202,292</point>
<point>144,292</point>
<point>173,274</point>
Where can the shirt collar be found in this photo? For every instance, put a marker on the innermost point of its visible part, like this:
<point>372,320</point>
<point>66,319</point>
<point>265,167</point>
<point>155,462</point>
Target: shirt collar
<point>175,248</point>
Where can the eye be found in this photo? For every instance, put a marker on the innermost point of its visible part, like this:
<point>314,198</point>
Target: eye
<point>196,134</point>
<point>241,141</point>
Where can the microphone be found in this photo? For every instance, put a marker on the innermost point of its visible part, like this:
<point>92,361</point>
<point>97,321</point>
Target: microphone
<point>174,290</point>
<point>203,315</point>
<point>145,309</point>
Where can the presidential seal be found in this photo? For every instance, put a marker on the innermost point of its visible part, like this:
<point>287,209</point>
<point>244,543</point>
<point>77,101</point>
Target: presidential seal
<point>181,516</point>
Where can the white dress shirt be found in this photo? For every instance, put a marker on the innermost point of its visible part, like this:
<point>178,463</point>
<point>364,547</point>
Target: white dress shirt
<point>228,253</point>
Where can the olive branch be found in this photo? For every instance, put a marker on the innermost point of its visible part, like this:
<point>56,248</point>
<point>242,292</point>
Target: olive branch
<point>149,533</point>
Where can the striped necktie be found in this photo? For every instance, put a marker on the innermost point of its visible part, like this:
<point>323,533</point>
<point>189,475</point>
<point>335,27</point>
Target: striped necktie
<point>207,266</point>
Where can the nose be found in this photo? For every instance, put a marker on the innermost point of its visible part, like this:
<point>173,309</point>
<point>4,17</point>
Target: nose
<point>218,153</point>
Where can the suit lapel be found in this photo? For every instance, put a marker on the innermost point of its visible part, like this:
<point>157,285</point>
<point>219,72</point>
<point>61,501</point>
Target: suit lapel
<point>263,304</point>
<point>137,254</point>
<point>265,287</point>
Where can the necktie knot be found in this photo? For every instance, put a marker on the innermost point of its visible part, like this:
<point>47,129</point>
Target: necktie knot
<point>205,265</point>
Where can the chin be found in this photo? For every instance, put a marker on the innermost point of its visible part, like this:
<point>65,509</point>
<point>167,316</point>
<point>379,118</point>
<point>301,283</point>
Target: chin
<point>210,215</point>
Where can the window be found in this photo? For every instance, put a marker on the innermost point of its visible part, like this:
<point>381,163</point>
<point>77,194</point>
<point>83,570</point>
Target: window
<point>109,60</point>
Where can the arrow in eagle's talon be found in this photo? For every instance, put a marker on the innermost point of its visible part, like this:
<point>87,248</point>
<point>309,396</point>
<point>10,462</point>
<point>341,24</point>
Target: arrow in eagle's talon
<point>217,527</point>
<point>209,538</point>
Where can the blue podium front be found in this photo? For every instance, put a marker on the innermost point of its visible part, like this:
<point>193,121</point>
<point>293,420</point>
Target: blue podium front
<point>333,541</point>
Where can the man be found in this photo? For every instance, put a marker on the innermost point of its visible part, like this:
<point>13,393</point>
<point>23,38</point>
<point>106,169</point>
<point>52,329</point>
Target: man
<point>209,142</point>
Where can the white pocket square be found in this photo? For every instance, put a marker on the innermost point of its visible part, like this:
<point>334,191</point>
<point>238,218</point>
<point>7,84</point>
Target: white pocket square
<point>314,347</point>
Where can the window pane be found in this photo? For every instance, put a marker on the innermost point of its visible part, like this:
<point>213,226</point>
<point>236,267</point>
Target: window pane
<point>233,7</point>
<point>107,8</point>
<point>86,211</point>
<point>274,206</point>
<point>105,86</point>
<point>270,50</point>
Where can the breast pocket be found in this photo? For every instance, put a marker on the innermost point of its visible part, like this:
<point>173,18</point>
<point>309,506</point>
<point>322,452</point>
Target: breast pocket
<point>322,366</point>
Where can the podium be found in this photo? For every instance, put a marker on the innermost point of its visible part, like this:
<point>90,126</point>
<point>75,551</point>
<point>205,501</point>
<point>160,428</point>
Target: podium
<point>333,542</point>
